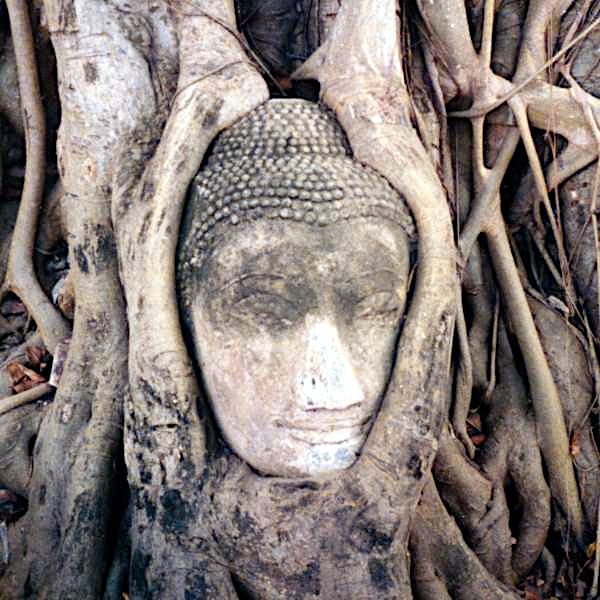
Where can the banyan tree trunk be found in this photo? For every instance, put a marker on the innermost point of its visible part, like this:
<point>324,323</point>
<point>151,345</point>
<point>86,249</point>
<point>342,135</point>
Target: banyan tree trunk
<point>481,466</point>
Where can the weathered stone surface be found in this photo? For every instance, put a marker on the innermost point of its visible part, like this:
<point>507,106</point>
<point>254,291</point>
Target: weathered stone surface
<point>287,160</point>
<point>294,268</point>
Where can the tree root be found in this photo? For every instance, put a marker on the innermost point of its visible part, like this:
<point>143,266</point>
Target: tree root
<point>443,565</point>
<point>74,491</point>
<point>165,439</point>
<point>18,430</point>
<point>551,428</point>
<point>567,359</point>
<point>22,398</point>
<point>117,174</point>
<point>479,509</point>
<point>20,277</point>
<point>464,382</point>
<point>511,450</point>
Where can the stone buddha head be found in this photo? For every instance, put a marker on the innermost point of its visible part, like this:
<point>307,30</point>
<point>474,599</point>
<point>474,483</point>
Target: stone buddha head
<point>293,273</point>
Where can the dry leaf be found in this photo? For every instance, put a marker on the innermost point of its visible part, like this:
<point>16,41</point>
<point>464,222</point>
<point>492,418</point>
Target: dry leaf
<point>591,550</point>
<point>35,356</point>
<point>575,446</point>
<point>22,377</point>
<point>478,439</point>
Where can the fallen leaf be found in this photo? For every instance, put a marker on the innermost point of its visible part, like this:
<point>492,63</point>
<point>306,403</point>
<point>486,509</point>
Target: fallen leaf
<point>532,593</point>
<point>478,439</point>
<point>22,377</point>
<point>591,550</point>
<point>575,446</point>
<point>35,356</point>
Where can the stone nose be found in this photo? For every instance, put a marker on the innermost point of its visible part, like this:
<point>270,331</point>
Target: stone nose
<point>327,380</point>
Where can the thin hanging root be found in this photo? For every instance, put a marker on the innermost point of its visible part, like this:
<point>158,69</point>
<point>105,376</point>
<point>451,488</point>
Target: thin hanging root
<point>464,382</point>
<point>20,276</point>
<point>487,197</point>
<point>492,381</point>
<point>552,432</point>
<point>479,169</point>
<point>520,111</point>
<point>539,244</point>
<point>488,32</point>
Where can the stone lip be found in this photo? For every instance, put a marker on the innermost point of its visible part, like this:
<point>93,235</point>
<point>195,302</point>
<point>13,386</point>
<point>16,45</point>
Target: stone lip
<point>339,435</point>
<point>327,426</point>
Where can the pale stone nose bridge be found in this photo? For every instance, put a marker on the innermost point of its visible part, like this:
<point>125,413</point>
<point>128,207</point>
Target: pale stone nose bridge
<point>327,379</point>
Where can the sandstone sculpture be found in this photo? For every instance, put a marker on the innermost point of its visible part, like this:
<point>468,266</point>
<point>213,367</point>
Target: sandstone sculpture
<point>294,269</point>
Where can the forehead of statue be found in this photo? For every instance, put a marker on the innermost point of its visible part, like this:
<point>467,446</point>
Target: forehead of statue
<point>327,254</point>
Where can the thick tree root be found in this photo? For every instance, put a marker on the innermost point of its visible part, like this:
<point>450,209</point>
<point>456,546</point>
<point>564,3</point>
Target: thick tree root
<point>366,89</point>
<point>443,565</point>
<point>511,450</point>
<point>165,436</point>
<point>477,505</point>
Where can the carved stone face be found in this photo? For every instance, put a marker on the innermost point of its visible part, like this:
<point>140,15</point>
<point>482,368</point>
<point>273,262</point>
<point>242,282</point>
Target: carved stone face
<point>295,328</point>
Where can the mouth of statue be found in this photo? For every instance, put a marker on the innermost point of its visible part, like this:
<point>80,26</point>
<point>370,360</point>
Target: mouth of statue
<point>318,430</point>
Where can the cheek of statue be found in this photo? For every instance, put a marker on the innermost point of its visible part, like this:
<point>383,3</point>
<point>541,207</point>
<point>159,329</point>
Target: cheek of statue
<point>292,407</point>
<point>295,377</point>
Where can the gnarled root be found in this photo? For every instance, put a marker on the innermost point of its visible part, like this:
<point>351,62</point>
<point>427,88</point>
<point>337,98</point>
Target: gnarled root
<point>478,507</point>
<point>443,566</point>
<point>512,450</point>
<point>18,431</point>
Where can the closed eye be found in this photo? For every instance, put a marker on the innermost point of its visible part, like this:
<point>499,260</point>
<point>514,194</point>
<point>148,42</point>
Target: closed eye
<point>264,305</point>
<point>378,304</point>
<point>248,297</point>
